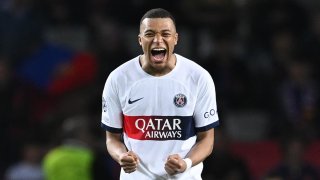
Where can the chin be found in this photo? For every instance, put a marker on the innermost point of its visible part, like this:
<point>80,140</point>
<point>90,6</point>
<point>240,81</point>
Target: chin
<point>159,66</point>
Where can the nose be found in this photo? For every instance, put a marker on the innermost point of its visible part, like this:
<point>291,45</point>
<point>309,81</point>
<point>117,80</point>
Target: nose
<point>157,38</point>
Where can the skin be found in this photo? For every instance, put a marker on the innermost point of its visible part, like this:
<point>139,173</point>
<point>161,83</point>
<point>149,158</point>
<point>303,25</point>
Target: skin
<point>159,33</point>
<point>198,153</point>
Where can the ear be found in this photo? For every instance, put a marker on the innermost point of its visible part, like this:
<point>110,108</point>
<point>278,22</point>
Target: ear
<point>176,39</point>
<point>139,39</point>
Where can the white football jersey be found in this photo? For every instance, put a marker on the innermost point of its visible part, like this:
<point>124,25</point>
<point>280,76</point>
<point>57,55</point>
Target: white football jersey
<point>159,116</point>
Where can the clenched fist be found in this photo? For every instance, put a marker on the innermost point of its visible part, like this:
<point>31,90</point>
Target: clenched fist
<point>129,161</point>
<point>175,164</point>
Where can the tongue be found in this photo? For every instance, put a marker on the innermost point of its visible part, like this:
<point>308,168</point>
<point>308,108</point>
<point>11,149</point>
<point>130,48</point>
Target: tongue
<point>159,56</point>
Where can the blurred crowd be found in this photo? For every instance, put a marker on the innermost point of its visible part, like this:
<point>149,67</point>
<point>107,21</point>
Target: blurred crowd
<point>55,56</point>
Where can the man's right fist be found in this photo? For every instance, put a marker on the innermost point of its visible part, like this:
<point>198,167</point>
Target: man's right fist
<point>129,161</point>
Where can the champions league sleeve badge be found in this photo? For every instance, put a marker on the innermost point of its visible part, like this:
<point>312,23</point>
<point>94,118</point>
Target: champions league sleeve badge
<point>104,105</point>
<point>180,100</point>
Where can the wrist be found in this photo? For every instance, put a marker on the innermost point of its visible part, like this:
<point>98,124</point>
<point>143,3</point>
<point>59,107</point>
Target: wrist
<point>188,162</point>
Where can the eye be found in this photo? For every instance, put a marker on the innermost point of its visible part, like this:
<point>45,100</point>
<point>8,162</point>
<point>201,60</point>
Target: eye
<point>166,34</point>
<point>149,34</point>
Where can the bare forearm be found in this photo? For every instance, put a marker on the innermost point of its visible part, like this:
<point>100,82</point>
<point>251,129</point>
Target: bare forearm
<point>115,146</point>
<point>198,153</point>
<point>115,149</point>
<point>203,148</point>
<point>128,160</point>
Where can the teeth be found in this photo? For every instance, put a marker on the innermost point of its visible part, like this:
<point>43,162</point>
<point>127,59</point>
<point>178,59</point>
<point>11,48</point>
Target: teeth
<point>158,49</point>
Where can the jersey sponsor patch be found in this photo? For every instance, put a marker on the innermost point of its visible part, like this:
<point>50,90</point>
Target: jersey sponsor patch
<point>159,127</point>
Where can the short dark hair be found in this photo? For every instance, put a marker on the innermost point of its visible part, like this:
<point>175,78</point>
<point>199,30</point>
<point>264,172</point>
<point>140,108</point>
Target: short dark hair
<point>158,13</point>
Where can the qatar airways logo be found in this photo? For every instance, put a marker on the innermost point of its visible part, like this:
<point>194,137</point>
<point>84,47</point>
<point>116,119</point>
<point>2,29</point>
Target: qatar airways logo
<point>159,127</point>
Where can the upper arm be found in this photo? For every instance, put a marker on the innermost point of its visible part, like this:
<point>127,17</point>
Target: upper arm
<point>207,136</point>
<point>111,137</point>
<point>203,147</point>
<point>205,112</point>
<point>111,108</point>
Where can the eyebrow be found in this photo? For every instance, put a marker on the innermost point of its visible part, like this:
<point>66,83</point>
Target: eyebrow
<point>149,30</point>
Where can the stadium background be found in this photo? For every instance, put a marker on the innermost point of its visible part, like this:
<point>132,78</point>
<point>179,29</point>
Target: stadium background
<point>263,55</point>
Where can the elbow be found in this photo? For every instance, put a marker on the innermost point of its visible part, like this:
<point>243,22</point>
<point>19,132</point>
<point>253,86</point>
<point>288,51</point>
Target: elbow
<point>210,146</point>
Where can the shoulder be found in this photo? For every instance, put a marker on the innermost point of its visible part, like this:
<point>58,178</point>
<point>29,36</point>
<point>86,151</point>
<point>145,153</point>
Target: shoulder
<point>119,76</point>
<point>124,68</point>
<point>192,68</point>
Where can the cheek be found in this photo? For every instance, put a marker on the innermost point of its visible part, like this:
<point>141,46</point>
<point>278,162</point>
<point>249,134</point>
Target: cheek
<point>145,43</point>
<point>145,47</point>
<point>173,44</point>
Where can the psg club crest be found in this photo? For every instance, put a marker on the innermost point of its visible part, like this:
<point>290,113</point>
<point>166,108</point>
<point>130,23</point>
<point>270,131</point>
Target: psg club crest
<point>180,100</point>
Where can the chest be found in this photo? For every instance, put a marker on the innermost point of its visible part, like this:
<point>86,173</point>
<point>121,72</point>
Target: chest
<point>159,97</point>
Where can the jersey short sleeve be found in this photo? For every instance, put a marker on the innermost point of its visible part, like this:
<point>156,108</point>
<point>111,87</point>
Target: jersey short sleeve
<point>111,107</point>
<point>205,113</point>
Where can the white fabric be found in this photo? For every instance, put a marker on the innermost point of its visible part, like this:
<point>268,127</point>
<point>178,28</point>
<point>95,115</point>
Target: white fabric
<point>159,116</point>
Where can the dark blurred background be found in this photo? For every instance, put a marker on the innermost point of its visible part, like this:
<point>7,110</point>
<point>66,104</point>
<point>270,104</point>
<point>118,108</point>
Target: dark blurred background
<point>263,55</point>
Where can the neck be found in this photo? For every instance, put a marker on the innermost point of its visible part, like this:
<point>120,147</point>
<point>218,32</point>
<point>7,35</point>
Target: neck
<point>158,71</point>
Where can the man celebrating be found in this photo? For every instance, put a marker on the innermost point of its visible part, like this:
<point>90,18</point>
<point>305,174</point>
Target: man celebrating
<point>159,108</point>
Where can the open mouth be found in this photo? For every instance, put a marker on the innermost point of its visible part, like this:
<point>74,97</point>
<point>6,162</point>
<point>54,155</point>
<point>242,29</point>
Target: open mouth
<point>158,54</point>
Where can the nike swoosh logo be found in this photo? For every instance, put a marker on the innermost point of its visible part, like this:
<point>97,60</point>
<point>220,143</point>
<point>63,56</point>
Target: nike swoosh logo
<point>131,102</point>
